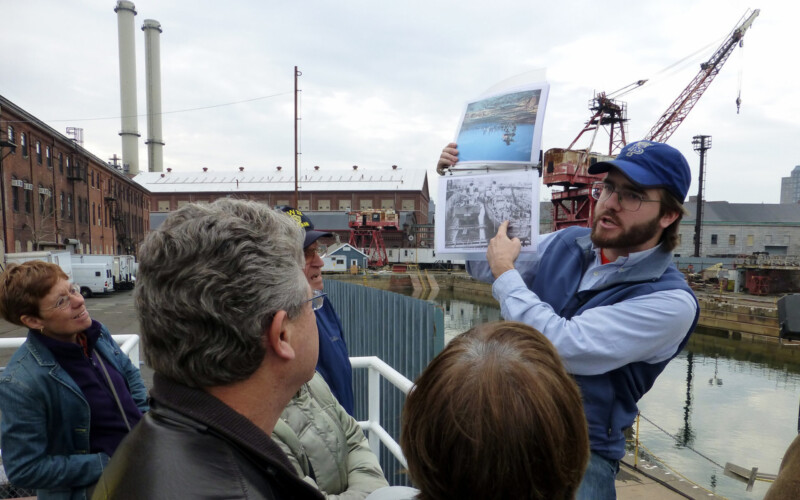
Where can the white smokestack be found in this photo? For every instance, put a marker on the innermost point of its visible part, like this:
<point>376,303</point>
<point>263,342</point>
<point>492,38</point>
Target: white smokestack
<point>127,85</point>
<point>152,67</point>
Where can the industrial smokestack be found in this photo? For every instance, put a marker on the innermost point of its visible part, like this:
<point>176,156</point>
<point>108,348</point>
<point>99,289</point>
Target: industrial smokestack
<point>152,68</point>
<point>127,86</point>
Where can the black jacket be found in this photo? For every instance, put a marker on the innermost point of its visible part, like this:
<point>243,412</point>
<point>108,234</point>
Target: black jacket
<point>191,445</point>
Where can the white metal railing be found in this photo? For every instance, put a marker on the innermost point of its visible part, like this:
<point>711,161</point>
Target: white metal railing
<point>128,343</point>
<point>377,434</point>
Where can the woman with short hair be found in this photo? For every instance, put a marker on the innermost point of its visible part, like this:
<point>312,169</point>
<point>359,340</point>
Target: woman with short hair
<point>494,416</point>
<point>69,395</point>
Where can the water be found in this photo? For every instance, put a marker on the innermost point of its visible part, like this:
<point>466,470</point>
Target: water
<point>719,401</point>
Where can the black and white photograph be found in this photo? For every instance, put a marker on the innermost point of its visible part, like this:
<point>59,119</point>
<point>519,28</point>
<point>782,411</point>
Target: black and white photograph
<point>476,205</point>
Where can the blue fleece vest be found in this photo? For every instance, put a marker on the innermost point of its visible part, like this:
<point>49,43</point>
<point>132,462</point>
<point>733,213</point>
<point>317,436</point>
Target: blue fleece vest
<point>609,399</point>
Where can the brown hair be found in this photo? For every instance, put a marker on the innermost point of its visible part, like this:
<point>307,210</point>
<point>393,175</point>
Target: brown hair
<point>496,416</point>
<point>22,286</point>
<point>670,204</point>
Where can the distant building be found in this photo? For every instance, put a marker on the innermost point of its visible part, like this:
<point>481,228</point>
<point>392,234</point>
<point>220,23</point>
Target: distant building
<point>790,187</point>
<point>54,190</point>
<point>325,195</point>
<point>730,229</point>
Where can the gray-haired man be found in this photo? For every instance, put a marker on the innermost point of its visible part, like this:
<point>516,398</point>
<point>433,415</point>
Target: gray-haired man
<point>227,324</point>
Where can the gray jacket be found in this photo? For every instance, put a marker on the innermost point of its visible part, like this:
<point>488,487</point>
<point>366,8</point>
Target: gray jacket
<point>318,435</point>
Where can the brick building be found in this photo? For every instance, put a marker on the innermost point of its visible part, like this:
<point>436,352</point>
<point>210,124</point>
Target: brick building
<point>54,191</point>
<point>326,195</point>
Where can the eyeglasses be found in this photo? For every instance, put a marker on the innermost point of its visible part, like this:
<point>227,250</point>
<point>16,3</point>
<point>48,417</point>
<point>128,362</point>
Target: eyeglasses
<point>311,250</point>
<point>628,200</point>
<point>316,300</point>
<point>64,301</point>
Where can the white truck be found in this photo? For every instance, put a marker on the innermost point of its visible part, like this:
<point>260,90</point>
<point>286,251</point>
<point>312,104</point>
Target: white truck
<point>124,266</point>
<point>95,258</point>
<point>60,257</point>
<point>93,278</point>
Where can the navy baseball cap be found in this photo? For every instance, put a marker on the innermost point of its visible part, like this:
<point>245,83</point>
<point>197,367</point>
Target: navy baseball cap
<point>651,165</point>
<point>303,221</point>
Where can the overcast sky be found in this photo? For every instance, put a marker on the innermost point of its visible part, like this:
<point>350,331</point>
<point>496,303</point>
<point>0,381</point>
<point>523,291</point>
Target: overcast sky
<point>384,83</point>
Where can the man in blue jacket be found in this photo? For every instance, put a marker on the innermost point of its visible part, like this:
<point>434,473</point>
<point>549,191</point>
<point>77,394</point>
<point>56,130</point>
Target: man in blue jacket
<point>609,298</point>
<point>334,360</point>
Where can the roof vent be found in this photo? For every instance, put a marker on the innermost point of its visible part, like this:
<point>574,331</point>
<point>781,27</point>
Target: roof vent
<point>241,169</point>
<point>169,169</point>
<point>355,167</point>
<point>205,169</point>
<point>163,175</point>
<point>394,167</point>
<point>279,168</point>
<point>316,167</point>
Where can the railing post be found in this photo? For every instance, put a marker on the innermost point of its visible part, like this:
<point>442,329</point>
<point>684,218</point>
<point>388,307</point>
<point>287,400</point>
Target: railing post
<point>374,410</point>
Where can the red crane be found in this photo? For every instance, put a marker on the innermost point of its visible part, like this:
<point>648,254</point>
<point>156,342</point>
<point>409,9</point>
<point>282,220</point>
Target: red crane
<point>567,168</point>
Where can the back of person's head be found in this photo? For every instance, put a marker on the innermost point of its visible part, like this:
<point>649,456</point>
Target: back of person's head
<point>495,416</point>
<point>211,279</point>
<point>22,286</point>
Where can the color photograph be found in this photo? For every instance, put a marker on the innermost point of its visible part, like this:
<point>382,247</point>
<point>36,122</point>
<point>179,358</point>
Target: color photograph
<point>503,128</point>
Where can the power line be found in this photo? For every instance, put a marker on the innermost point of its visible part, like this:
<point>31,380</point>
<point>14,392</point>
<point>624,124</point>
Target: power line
<point>186,110</point>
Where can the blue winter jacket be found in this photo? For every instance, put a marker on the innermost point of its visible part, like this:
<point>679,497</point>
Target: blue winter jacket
<point>44,427</point>
<point>610,398</point>
<point>334,361</point>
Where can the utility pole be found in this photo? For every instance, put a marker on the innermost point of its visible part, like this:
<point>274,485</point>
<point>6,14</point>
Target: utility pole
<point>296,119</point>
<point>701,144</point>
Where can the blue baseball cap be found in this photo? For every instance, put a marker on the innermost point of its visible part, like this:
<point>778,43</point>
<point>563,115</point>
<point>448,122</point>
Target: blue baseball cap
<point>303,221</point>
<point>651,165</point>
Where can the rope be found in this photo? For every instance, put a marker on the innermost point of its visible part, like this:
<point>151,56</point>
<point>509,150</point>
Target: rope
<point>677,440</point>
<point>676,472</point>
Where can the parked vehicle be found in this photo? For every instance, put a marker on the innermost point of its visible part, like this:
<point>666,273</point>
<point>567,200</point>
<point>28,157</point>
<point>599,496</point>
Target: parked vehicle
<point>59,257</point>
<point>124,268</point>
<point>106,260</point>
<point>92,278</point>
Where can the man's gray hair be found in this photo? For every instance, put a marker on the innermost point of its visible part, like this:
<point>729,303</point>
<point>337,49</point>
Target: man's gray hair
<point>211,279</point>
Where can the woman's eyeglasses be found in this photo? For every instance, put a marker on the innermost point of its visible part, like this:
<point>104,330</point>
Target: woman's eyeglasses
<point>64,301</point>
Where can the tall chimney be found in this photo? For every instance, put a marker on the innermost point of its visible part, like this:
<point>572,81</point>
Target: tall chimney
<point>127,86</point>
<point>152,68</point>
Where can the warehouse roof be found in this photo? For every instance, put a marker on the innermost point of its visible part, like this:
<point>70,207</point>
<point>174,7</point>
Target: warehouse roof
<point>273,180</point>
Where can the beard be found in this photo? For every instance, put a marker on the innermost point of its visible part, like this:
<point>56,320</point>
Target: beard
<point>634,236</point>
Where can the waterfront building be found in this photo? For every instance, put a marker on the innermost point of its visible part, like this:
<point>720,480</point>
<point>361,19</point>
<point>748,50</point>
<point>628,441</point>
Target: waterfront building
<point>56,193</point>
<point>736,229</point>
<point>326,195</point>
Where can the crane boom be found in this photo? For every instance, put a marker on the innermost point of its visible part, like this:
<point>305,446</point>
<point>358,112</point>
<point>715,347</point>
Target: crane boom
<point>677,112</point>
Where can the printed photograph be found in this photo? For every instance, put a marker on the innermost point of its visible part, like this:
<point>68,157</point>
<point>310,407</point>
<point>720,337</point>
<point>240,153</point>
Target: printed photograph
<point>504,128</point>
<point>476,205</point>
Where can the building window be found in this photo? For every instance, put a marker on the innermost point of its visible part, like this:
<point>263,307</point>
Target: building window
<point>732,240</point>
<point>344,205</point>
<point>387,204</point>
<point>27,198</point>
<point>61,204</point>
<point>38,152</point>
<point>324,205</point>
<point>750,240</point>
<point>48,156</point>
<point>23,144</point>
<point>163,205</point>
<point>680,237</point>
<point>61,163</point>
<point>15,185</point>
<point>91,177</point>
<point>365,204</point>
<point>42,200</point>
<point>11,137</point>
<point>69,207</point>
<point>407,205</point>
<point>713,239</point>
